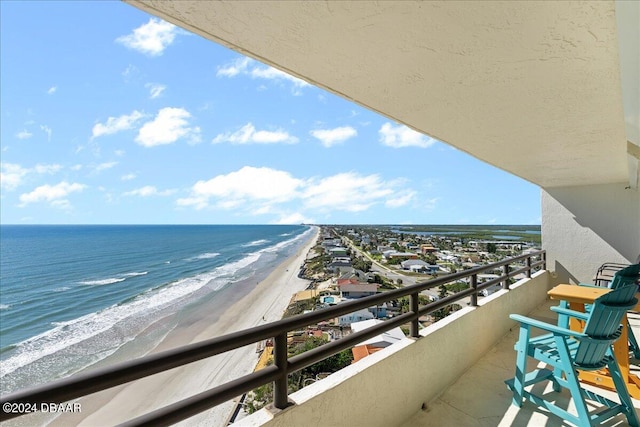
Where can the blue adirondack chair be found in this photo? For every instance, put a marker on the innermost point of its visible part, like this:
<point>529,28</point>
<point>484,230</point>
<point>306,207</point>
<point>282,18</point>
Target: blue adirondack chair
<point>622,276</point>
<point>565,351</point>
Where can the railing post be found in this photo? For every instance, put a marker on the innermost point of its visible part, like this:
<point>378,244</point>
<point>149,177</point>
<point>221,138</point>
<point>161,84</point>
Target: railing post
<point>474,286</point>
<point>529,267</point>
<point>280,393</point>
<point>414,310</point>
<point>544,259</point>
<point>505,269</point>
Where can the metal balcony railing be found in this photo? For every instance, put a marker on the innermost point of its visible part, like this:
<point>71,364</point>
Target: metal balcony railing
<point>93,381</point>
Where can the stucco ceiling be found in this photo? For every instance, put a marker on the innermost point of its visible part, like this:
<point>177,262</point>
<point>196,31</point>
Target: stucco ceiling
<point>533,88</point>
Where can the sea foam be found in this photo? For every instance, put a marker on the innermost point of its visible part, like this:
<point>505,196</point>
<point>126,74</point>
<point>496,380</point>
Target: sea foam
<point>103,281</point>
<point>255,243</point>
<point>69,333</point>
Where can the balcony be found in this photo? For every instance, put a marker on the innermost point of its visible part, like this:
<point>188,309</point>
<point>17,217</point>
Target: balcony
<point>452,375</point>
<point>449,373</point>
<point>514,89</point>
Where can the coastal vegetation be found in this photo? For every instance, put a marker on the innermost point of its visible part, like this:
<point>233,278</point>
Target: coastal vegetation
<point>261,396</point>
<point>445,311</point>
<point>524,233</point>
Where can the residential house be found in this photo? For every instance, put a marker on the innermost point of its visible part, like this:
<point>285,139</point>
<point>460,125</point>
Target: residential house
<point>356,316</point>
<point>355,276</point>
<point>376,343</point>
<point>379,311</point>
<point>383,340</point>
<point>417,265</point>
<point>359,290</point>
<point>389,256</point>
<point>427,249</point>
<point>414,265</point>
<point>338,251</point>
<point>337,266</point>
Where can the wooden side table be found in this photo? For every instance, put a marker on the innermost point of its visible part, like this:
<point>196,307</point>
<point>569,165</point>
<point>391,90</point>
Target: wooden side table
<point>576,297</point>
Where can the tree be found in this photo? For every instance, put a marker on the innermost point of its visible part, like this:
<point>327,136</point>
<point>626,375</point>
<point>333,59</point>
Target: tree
<point>491,248</point>
<point>430,259</point>
<point>362,264</point>
<point>443,312</point>
<point>330,364</point>
<point>262,395</point>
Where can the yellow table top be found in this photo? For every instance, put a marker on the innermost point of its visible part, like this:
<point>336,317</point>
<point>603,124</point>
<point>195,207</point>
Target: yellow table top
<point>574,293</point>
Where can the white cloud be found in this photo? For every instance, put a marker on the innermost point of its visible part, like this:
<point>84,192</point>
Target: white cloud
<point>149,190</point>
<point>294,218</point>
<point>128,177</point>
<point>151,38</point>
<point>248,184</point>
<point>47,130</point>
<point>401,200</point>
<point>50,169</point>
<point>402,136</point>
<point>119,153</point>
<point>52,90</point>
<point>255,70</point>
<point>130,72</point>
<point>25,134</point>
<point>11,175</point>
<point>331,137</point>
<point>155,89</point>
<point>270,73</point>
<point>430,204</point>
<point>234,68</point>
<point>54,194</point>
<point>169,125</point>
<point>116,124</point>
<point>248,135</point>
<point>261,191</point>
<point>104,166</point>
<point>347,192</point>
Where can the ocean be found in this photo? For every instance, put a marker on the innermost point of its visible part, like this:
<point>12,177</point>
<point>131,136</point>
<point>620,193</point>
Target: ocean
<point>73,297</point>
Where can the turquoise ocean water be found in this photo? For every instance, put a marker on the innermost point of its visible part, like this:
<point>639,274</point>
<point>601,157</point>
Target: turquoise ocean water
<point>72,296</point>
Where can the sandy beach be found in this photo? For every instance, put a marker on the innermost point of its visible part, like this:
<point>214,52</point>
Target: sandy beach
<point>264,302</point>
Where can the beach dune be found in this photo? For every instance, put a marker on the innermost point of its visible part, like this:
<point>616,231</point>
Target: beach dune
<point>266,302</point>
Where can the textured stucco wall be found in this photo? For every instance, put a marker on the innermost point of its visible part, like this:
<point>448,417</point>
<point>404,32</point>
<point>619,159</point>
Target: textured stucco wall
<point>390,386</point>
<point>586,226</point>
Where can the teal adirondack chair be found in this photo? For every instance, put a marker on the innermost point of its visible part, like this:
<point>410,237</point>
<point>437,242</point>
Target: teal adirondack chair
<point>622,277</point>
<point>565,351</point>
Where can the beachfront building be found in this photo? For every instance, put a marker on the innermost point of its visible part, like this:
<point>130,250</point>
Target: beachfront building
<point>339,267</point>
<point>547,91</point>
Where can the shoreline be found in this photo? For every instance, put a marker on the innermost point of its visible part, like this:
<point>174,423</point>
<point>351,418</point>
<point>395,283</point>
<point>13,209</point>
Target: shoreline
<point>263,302</point>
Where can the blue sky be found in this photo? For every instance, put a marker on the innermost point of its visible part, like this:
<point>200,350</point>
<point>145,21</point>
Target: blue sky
<point>109,115</point>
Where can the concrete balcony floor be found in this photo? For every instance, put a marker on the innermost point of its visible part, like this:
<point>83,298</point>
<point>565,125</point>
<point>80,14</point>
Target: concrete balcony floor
<point>480,397</point>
